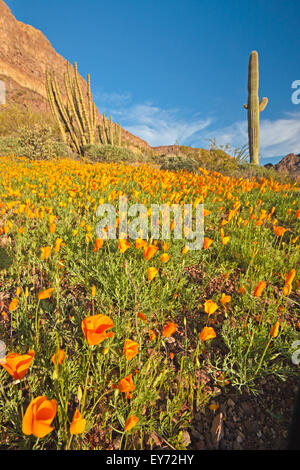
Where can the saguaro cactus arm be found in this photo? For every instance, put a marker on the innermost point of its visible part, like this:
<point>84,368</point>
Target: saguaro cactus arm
<point>263,103</point>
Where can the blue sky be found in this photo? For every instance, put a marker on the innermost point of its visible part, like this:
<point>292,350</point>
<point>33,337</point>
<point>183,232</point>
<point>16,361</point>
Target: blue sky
<point>176,70</point>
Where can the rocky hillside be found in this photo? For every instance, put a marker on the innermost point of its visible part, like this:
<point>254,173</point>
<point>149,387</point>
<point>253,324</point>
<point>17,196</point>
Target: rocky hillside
<point>25,54</point>
<point>290,164</point>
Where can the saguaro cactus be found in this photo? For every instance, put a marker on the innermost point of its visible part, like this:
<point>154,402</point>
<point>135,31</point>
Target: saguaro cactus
<point>254,108</point>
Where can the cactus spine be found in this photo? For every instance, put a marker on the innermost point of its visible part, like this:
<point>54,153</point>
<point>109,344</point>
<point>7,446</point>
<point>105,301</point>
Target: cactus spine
<point>254,107</point>
<point>77,118</point>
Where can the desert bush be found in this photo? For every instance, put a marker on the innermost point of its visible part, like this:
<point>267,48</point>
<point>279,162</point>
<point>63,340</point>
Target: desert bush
<point>110,154</point>
<point>173,162</point>
<point>37,143</point>
<point>10,146</point>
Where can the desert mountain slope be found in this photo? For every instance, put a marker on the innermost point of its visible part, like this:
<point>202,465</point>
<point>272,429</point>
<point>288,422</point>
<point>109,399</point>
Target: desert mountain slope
<point>25,54</point>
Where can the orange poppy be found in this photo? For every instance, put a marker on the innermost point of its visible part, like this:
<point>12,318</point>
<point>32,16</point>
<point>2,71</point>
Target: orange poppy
<point>207,243</point>
<point>169,329</point>
<point>185,249</point>
<point>58,244</point>
<point>287,289</point>
<point>59,360</point>
<point>150,251</point>
<point>95,328</point>
<point>13,305</point>
<point>17,365</point>
<point>38,417</point>
<point>225,299</point>
<point>45,252</point>
<point>52,228</point>
<point>207,333</point>
<point>259,288</point>
<point>151,273</point>
<point>275,330</point>
<point>94,290</point>
<point>131,422</point>
<point>291,276</point>
<point>210,307</point>
<point>164,257</point>
<point>98,244</point>
<point>142,316</point>
<point>225,240</point>
<point>78,423</point>
<point>214,406</point>
<point>123,245</point>
<point>126,385</point>
<point>140,243</point>
<point>152,335</point>
<point>45,294</point>
<point>279,231</point>
<point>131,348</point>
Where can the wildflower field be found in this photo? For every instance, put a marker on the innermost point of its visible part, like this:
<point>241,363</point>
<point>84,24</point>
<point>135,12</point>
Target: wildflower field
<point>109,343</point>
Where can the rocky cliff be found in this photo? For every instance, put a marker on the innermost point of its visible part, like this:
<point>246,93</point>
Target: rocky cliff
<point>25,54</point>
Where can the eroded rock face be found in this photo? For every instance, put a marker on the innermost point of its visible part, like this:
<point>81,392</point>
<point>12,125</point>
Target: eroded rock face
<point>289,164</point>
<point>25,54</point>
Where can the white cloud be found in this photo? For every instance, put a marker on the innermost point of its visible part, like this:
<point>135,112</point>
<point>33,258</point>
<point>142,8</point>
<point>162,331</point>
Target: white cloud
<point>277,137</point>
<point>159,126</point>
<point>149,122</point>
<point>163,127</point>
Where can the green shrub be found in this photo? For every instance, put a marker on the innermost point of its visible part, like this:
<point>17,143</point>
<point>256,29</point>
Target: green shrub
<point>178,162</point>
<point>10,146</point>
<point>37,143</point>
<point>111,154</point>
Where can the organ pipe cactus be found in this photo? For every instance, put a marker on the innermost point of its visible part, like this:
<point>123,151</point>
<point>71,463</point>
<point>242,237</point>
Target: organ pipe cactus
<point>254,107</point>
<point>77,115</point>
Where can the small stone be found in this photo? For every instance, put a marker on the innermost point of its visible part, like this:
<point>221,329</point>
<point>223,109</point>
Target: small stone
<point>247,407</point>
<point>186,438</point>
<point>230,424</point>
<point>236,445</point>
<point>196,434</point>
<point>251,426</point>
<point>230,402</point>
<point>200,445</point>
<point>117,442</point>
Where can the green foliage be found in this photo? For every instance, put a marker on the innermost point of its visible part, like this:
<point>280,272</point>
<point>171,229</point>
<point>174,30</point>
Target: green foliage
<point>173,162</point>
<point>37,143</point>
<point>10,146</point>
<point>110,153</point>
